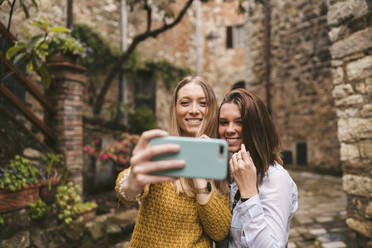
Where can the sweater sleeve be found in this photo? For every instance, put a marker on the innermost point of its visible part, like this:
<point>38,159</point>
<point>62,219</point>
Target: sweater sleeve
<point>215,216</point>
<point>121,198</point>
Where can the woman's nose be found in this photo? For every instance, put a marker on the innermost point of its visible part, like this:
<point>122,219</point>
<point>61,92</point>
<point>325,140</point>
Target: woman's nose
<point>194,108</point>
<point>230,128</point>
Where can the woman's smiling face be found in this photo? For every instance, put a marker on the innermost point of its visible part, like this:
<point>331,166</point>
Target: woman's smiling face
<point>230,126</point>
<point>191,108</point>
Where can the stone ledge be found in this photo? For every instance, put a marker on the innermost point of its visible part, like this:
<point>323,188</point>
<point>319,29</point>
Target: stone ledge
<point>357,42</point>
<point>357,185</point>
<point>363,227</point>
<point>341,11</point>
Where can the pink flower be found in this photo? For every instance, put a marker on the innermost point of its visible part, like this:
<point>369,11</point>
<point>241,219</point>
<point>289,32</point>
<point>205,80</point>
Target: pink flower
<point>102,156</point>
<point>97,141</point>
<point>112,210</point>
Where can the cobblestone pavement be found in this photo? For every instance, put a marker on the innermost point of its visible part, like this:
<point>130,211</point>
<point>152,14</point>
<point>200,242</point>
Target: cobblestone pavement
<point>320,218</point>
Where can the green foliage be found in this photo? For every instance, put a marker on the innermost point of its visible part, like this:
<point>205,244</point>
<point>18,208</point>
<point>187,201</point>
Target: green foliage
<point>86,206</point>
<point>53,165</point>
<point>66,199</point>
<point>52,40</point>
<point>101,56</point>
<point>69,204</point>
<point>37,210</point>
<point>2,220</point>
<point>141,119</point>
<point>18,174</point>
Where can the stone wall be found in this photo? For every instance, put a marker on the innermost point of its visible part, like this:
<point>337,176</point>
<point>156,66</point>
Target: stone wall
<point>350,31</point>
<point>301,99</point>
<point>104,230</point>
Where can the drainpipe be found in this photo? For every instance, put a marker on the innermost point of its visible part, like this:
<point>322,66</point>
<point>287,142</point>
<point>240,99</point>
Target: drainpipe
<point>267,52</point>
<point>199,40</point>
<point>69,14</point>
<point>123,96</point>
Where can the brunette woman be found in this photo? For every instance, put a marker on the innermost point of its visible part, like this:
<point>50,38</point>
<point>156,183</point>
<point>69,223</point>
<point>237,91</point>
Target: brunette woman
<point>262,193</point>
<point>177,212</point>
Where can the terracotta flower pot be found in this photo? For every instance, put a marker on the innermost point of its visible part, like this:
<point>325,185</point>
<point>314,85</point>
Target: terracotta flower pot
<point>48,189</point>
<point>12,200</point>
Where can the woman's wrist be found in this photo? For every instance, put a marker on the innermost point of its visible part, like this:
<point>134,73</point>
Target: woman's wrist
<point>125,191</point>
<point>205,190</point>
<point>248,193</point>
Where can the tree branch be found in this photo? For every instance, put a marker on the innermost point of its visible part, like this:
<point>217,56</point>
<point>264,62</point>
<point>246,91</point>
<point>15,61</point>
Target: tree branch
<point>149,14</point>
<point>124,56</point>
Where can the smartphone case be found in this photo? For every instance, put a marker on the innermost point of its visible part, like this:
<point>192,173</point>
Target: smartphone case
<point>205,158</point>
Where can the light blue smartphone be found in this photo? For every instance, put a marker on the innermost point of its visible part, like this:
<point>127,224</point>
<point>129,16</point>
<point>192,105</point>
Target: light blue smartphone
<point>205,158</point>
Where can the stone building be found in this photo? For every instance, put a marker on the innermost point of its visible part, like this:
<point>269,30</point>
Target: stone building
<point>221,60</point>
<point>300,80</point>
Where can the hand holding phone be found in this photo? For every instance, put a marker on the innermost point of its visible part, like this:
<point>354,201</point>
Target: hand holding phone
<point>204,158</point>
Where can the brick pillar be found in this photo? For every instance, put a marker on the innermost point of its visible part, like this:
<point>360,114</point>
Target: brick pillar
<point>351,36</point>
<point>66,92</point>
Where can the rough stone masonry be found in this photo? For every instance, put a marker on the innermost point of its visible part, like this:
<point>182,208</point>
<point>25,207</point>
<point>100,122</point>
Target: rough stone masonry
<point>350,31</point>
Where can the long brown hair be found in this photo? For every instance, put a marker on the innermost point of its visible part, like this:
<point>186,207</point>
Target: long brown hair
<point>209,127</point>
<point>259,133</point>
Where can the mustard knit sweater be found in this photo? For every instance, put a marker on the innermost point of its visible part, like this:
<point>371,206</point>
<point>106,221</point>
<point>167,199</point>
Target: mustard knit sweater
<point>168,219</point>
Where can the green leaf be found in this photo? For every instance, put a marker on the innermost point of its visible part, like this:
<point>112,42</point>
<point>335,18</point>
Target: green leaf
<point>14,50</point>
<point>34,40</point>
<point>45,23</point>
<point>29,66</point>
<point>19,58</point>
<point>59,29</point>
<point>45,76</point>
<point>37,24</point>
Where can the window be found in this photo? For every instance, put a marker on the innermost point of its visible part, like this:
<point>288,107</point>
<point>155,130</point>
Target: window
<point>235,36</point>
<point>287,157</point>
<point>301,153</point>
<point>145,91</point>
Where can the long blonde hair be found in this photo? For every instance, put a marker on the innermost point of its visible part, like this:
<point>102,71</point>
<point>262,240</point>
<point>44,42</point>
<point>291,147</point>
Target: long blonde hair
<point>208,127</point>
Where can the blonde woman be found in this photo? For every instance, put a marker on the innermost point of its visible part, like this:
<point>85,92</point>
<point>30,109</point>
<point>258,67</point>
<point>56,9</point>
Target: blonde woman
<point>177,212</point>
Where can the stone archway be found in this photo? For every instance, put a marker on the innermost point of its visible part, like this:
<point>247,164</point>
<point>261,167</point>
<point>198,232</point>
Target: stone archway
<point>350,31</point>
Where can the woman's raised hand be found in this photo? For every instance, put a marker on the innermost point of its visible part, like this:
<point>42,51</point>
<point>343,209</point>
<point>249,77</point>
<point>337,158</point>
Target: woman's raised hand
<point>244,172</point>
<point>141,166</point>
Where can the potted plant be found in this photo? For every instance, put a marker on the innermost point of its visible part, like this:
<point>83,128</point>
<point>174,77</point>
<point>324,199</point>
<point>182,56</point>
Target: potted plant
<point>18,184</point>
<point>51,170</point>
<point>40,48</point>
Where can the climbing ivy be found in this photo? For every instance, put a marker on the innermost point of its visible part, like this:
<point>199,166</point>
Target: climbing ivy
<point>102,56</point>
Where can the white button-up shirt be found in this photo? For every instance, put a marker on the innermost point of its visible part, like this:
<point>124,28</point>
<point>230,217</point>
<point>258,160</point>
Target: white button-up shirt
<point>263,221</point>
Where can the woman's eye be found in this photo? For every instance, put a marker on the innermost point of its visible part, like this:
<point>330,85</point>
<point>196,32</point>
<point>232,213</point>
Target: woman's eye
<point>240,122</point>
<point>203,103</point>
<point>223,123</point>
<point>184,103</point>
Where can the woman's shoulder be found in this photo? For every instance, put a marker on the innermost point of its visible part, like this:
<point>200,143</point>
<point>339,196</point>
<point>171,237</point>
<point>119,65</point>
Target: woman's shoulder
<point>278,175</point>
